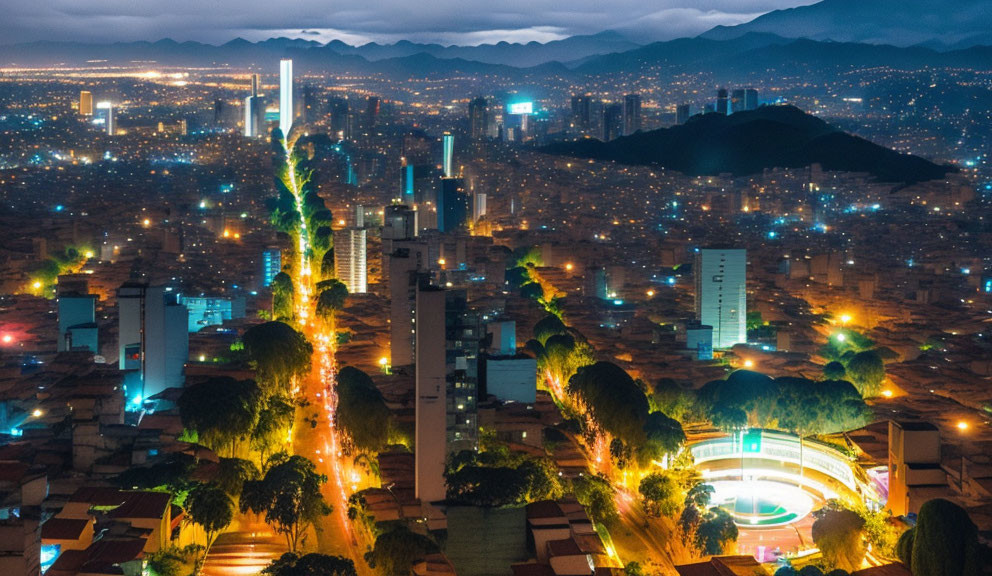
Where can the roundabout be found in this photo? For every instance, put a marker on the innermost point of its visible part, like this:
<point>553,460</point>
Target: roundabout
<point>762,503</point>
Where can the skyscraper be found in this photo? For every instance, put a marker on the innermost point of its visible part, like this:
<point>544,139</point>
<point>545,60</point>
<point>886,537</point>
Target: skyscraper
<point>339,117</point>
<point>631,114</point>
<point>447,383</point>
<point>271,265</point>
<point>85,103</point>
<point>750,99</point>
<point>682,113</point>
<point>254,111</point>
<point>372,106</point>
<point>350,259</point>
<point>721,294</point>
<point>286,96</point>
<point>582,111</point>
<point>107,110</point>
<point>722,102</point>
<point>407,261</point>
<point>448,143</point>
<point>478,118</point>
<point>453,205</point>
<point>612,118</point>
<point>153,340</point>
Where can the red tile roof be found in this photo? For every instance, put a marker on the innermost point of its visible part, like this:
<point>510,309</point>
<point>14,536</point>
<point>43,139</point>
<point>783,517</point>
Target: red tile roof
<point>723,566</point>
<point>142,505</point>
<point>63,528</point>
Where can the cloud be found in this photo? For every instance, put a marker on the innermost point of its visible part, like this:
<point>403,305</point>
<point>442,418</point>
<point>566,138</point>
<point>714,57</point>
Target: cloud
<point>444,21</point>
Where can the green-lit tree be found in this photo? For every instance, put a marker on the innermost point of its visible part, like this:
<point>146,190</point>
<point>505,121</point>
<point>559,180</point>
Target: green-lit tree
<point>867,371</point>
<point>716,532</point>
<point>333,294</point>
<point>290,564</point>
<point>282,296</point>
<point>834,371</point>
<point>209,507</point>
<point>222,410</point>
<point>362,411</point>
<point>839,534</point>
<point>597,495</point>
<point>613,399</point>
<point>662,496</point>
<point>549,326</point>
<point>397,550</point>
<point>273,423</point>
<point>232,473</point>
<point>945,541</point>
<point>289,496</point>
<point>279,354</point>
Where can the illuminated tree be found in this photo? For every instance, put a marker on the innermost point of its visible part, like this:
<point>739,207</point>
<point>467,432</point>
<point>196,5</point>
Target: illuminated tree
<point>867,371</point>
<point>289,496</point>
<point>716,532</point>
<point>945,541</point>
<point>232,473</point>
<point>362,411</point>
<point>282,296</point>
<point>211,508</point>
<point>661,494</point>
<point>597,495</point>
<point>397,550</point>
<point>221,410</point>
<point>333,294</point>
<point>834,371</point>
<point>663,436</point>
<point>549,326</point>
<point>278,353</point>
<point>839,534</point>
<point>290,564</point>
<point>613,399</point>
<point>273,422</point>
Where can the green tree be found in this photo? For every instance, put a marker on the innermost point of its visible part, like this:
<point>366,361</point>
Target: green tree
<point>327,265</point>
<point>210,507</point>
<point>716,531</point>
<point>279,354</point>
<point>561,356</point>
<point>945,542</point>
<point>834,371</point>
<point>333,294</point>
<point>867,371</point>
<point>362,411</point>
<point>289,496</point>
<point>221,410</point>
<point>661,494</point>
<point>273,423</point>
<point>597,495</point>
<point>290,564</point>
<point>904,547</point>
<point>613,399</point>
<point>672,400</point>
<point>839,534</point>
<point>549,326</point>
<point>232,473</point>
<point>663,437</point>
<point>282,296</point>
<point>396,551</point>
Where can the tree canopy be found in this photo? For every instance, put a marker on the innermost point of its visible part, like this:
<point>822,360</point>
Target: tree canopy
<point>221,410</point>
<point>867,371</point>
<point>397,550</point>
<point>210,507</point>
<point>289,496</point>
<point>333,294</point>
<point>945,541</point>
<point>278,353</point>
<point>838,533</point>
<point>362,411</point>
<point>661,494</point>
<point>291,564</point>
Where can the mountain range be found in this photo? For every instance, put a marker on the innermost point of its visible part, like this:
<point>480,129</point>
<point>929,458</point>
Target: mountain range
<point>938,24</point>
<point>750,142</point>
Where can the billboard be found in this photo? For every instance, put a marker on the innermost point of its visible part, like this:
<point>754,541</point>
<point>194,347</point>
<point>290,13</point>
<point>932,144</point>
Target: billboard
<point>522,108</point>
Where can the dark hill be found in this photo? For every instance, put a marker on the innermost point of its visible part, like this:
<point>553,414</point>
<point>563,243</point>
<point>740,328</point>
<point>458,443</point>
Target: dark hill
<point>749,142</point>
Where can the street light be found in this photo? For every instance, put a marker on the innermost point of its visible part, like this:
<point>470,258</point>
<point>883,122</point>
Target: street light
<point>749,363</point>
<point>962,425</point>
<point>37,413</point>
<point>845,318</point>
<point>840,337</point>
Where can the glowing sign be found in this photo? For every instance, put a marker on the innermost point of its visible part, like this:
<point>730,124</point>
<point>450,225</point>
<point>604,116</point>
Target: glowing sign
<point>522,108</point>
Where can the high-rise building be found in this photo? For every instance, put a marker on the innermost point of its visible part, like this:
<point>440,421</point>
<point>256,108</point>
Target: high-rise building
<point>399,222</point>
<point>612,122</point>
<point>107,111</point>
<point>271,265</point>
<point>478,118</point>
<point>737,100</point>
<point>631,114</point>
<point>582,112</point>
<point>453,205</point>
<point>153,342</point>
<point>408,260</point>
<point>682,113</point>
<point>722,102</point>
<point>372,109</point>
<point>310,108</point>
<point>447,380</point>
<point>85,103</point>
<point>350,259</point>
<point>339,117</point>
<point>448,144</point>
<point>407,189</point>
<point>750,99</point>
<point>77,323</point>
<point>286,109</point>
<point>721,294</point>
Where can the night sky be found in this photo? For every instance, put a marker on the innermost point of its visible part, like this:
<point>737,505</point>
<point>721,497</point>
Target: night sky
<point>385,21</point>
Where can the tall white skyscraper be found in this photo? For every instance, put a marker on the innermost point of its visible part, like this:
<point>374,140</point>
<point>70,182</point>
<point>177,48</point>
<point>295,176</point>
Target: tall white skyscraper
<point>350,259</point>
<point>285,96</point>
<point>448,141</point>
<point>721,294</point>
<point>153,339</point>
